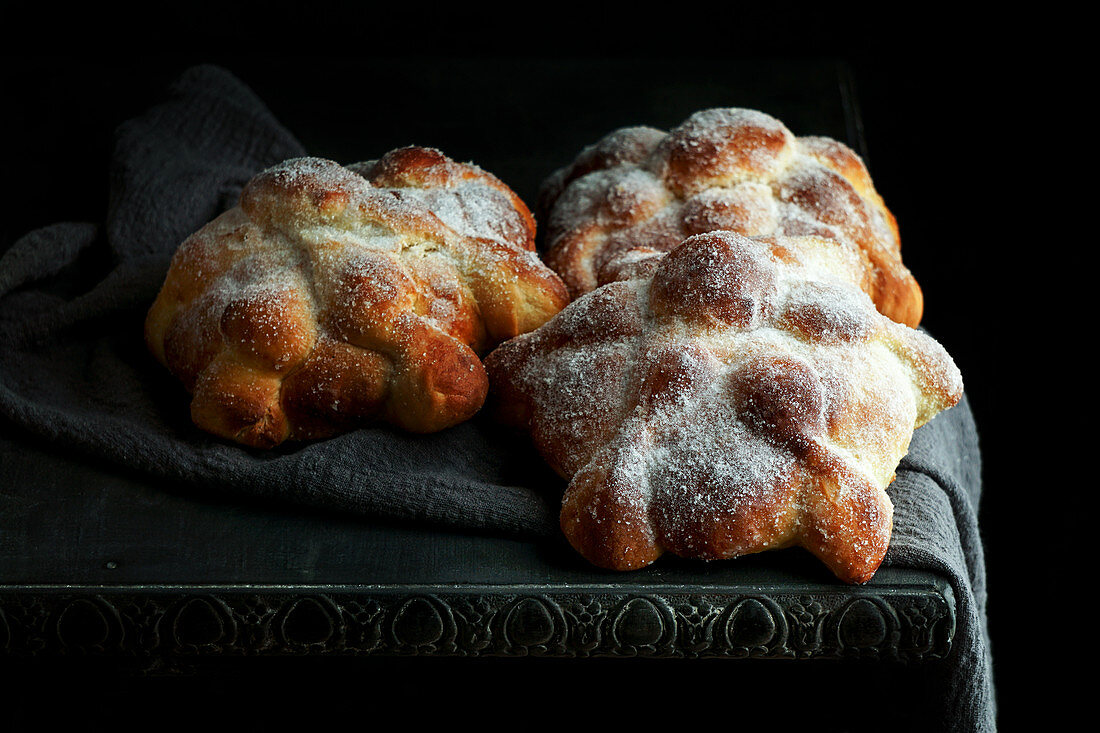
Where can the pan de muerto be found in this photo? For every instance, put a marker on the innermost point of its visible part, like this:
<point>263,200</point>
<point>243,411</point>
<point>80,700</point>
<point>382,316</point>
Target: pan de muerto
<point>745,395</point>
<point>335,297</point>
<point>639,191</point>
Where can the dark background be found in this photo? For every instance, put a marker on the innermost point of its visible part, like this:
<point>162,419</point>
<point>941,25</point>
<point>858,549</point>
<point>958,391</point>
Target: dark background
<point>955,123</point>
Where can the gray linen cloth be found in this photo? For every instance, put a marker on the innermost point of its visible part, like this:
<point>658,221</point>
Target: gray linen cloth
<point>74,370</point>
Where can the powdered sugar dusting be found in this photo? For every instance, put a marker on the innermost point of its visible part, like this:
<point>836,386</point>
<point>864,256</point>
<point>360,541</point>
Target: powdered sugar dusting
<point>472,209</point>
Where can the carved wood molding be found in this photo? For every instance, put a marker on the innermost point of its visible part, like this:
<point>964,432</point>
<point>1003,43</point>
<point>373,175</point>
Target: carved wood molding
<point>906,625</point>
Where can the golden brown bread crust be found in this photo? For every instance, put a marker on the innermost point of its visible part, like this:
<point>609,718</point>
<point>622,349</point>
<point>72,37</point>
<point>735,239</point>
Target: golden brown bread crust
<point>744,396</point>
<point>332,297</point>
<point>639,192</point>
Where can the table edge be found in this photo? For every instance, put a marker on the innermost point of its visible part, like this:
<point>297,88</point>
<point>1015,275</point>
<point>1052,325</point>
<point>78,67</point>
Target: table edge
<point>162,625</point>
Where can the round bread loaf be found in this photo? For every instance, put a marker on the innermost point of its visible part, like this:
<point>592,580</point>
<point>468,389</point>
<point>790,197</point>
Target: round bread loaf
<point>333,297</point>
<point>744,395</point>
<point>639,191</point>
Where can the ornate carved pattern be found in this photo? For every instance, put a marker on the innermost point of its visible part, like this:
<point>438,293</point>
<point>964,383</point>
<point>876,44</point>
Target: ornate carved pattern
<point>192,623</point>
